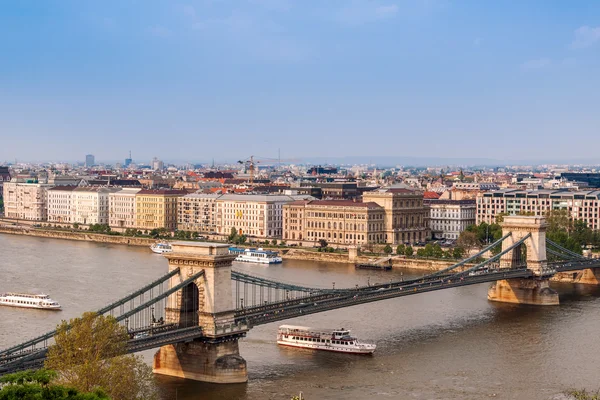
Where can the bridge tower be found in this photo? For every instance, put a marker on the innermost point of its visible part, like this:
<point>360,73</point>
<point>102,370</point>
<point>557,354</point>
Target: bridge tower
<point>535,290</point>
<point>207,303</point>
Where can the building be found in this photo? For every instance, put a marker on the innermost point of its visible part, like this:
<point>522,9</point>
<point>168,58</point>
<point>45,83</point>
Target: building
<point>406,216</point>
<point>592,179</point>
<point>122,208</point>
<point>448,218</point>
<point>197,212</point>
<point>335,190</point>
<point>157,165</point>
<point>25,200</point>
<point>4,177</point>
<point>157,208</point>
<point>90,160</point>
<point>250,214</point>
<point>253,215</point>
<point>91,205</point>
<point>60,204</point>
<point>338,222</point>
<point>580,205</point>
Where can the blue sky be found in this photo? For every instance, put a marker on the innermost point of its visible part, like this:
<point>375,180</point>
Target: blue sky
<point>199,79</point>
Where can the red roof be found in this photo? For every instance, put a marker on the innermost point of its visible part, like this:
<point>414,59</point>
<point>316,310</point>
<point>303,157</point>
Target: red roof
<point>431,196</point>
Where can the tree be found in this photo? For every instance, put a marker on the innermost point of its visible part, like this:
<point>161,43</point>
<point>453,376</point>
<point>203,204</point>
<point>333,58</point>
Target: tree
<point>232,235</point>
<point>387,249</point>
<point>467,240</point>
<point>437,251</point>
<point>37,385</point>
<point>458,253</point>
<point>401,250</point>
<point>274,242</point>
<point>90,353</point>
<point>409,251</point>
<point>323,243</point>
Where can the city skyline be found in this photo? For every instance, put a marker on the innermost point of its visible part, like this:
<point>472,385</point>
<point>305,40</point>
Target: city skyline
<point>415,79</point>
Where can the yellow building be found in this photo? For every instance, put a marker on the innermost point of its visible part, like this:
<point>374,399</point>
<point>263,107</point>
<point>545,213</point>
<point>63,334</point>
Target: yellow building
<point>157,208</point>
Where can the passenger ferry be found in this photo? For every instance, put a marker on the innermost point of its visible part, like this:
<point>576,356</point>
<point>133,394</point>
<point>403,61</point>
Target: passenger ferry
<point>160,248</point>
<point>42,301</point>
<point>322,339</point>
<point>259,256</point>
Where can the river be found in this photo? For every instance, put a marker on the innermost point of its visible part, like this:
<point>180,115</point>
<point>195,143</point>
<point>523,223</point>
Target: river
<point>450,344</point>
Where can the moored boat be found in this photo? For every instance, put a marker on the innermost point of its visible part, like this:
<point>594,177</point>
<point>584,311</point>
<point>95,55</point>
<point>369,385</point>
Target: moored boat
<point>160,248</point>
<point>24,300</point>
<point>259,256</point>
<point>338,340</point>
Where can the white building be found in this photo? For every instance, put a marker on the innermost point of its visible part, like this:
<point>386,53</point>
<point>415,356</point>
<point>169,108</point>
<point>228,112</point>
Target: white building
<point>122,208</point>
<point>60,204</point>
<point>448,218</point>
<point>252,215</point>
<point>91,205</point>
<point>25,201</point>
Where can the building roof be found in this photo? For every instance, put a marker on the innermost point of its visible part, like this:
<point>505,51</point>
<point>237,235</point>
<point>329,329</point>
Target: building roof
<point>343,203</point>
<point>162,192</point>
<point>63,188</point>
<point>431,196</point>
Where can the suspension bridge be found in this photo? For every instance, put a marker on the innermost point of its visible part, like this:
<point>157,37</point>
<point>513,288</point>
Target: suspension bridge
<point>196,313</point>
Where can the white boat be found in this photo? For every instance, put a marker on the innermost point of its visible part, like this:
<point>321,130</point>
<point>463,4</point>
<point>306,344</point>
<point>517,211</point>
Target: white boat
<point>160,248</point>
<point>41,301</point>
<point>259,256</point>
<point>338,340</point>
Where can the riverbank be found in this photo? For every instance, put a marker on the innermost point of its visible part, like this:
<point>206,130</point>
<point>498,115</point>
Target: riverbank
<point>80,236</point>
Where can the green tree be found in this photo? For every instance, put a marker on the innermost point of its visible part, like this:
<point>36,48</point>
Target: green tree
<point>438,252</point>
<point>387,249</point>
<point>36,385</point>
<point>409,251</point>
<point>458,253</point>
<point>232,235</point>
<point>401,250</point>
<point>274,242</point>
<point>323,243</point>
<point>90,353</point>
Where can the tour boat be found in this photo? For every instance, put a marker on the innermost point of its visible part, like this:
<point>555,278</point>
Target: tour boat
<point>160,248</point>
<point>42,301</point>
<point>259,256</point>
<point>322,339</point>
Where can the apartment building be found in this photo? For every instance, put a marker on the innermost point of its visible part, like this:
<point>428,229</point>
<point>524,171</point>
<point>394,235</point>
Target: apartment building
<point>60,204</point>
<point>339,222</point>
<point>250,214</point>
<point>406,216</point>
<point>157,208</point>
<point>580,205</point>
<point>25,200</point>
<point>4,177</point>
<point>448,218</point>
<point>197,212</point>
<point>91,205</point>
<point>122,208</point>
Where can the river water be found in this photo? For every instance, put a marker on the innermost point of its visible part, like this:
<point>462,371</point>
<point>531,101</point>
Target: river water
<point>451,344</point>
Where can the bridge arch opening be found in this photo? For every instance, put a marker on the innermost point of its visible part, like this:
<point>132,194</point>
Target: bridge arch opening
<point>188,312</point>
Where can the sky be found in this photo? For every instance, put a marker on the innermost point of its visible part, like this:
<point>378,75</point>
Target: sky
<point>226,79</point>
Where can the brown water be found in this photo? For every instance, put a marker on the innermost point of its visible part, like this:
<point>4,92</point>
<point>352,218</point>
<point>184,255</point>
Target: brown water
<point>450,344</point>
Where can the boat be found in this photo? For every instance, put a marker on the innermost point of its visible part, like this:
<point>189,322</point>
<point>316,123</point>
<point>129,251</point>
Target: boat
<point>338,340</point>
<point>259,255</point>
<point>160,248</point>
<point>23,300</point>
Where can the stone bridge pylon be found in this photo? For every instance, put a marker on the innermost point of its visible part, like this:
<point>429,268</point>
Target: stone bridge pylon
<point>535,290</point>
<point>206,303</point>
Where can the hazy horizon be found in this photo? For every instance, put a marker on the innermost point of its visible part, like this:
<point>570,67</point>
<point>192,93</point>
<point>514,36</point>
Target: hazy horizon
<point>197,80</point>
